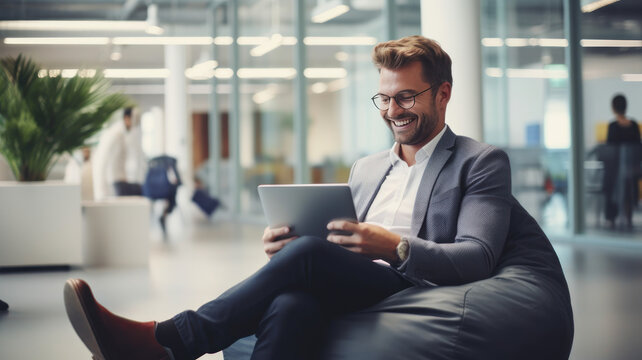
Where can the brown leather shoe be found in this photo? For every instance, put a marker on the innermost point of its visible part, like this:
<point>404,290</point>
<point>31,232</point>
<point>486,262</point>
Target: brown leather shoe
<point>106,335</point>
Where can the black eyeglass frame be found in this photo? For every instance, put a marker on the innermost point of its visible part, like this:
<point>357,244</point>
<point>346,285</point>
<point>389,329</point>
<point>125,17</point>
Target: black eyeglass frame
<point>397,101</point>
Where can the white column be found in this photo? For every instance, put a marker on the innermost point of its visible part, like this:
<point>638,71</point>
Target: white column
<point>455,25</point>
<point>178,123</point>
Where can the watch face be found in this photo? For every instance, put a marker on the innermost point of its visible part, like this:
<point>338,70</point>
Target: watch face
<point>402,249</point>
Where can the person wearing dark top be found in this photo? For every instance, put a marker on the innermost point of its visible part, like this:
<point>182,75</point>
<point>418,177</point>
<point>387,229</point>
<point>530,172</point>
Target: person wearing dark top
<point>623,135</point>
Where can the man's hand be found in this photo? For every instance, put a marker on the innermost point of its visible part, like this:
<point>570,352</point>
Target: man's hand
<point>270,243</point>
<point>370,240</point>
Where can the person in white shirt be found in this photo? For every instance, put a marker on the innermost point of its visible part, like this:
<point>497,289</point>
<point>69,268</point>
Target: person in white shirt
<point>118,161</point>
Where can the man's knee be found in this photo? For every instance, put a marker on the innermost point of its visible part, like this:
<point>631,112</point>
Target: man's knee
<point>306,245</point>
<point>295,303</point>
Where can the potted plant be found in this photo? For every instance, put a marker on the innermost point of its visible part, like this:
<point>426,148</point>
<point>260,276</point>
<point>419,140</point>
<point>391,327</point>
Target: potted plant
<point>41,118</point>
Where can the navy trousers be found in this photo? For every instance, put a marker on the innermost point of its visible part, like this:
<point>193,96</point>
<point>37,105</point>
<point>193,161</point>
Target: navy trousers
<point>287,302</point>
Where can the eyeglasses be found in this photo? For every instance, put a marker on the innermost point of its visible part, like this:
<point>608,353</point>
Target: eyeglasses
<point>403,99</point>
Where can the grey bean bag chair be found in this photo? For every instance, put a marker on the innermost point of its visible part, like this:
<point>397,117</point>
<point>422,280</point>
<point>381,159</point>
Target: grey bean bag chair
<point>515,314</point>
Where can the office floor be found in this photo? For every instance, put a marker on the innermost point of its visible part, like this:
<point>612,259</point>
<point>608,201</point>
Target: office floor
<point>202,260</point>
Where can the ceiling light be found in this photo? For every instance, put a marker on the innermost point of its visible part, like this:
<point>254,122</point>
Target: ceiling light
<point>69,73</point>
<point>494,72</point>
<point>319,73</point>
<point>165,40</point>
<point>492,42</point>
<point>256,40</point>
<point>329,9</point>
<point>152,20</point>
<point>552,42</point>
<point>267,73</point>
<point>336,85</point>
<point>340,40</point>
<point>224,73</point>
<point>516,42</point>
<point>57,41</point>
<point>610,43</point>
<point>203,69</point>
<point>73,25</point>
<point>537,73</point>
<point>319,87</point>
<point>116,53</point>
<point>594,5</point>
<point>136,73</point>
<point>266,95</point>
<point>342,56</point>
<point>631,77</point>
<point>272,43</point>
<point>223,40</point>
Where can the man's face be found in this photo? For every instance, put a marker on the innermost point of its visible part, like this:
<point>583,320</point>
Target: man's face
<point>128,122</point>
<point>417,125</point>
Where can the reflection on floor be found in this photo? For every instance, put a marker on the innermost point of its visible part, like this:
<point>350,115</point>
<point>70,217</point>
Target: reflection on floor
<point>552,212</point>
<point>202,261</point>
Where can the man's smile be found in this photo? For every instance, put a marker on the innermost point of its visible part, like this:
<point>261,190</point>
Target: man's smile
<point>402,122</point>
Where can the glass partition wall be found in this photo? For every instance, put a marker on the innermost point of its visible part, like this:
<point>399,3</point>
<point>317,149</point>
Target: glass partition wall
<point>525,97</point>
<point>612,65</point>
<point>266,72</point>
<point>527,100</point>
<point>290,91</point>
<point>261,144</point>
<point>340,123</point>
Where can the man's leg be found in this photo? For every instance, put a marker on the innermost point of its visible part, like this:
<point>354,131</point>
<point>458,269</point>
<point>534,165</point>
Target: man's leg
<point>290,328</point>
<point>339,279</point>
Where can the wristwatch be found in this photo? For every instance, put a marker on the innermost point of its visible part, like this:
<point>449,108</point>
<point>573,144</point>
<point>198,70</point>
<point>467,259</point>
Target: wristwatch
<point>403,248</point>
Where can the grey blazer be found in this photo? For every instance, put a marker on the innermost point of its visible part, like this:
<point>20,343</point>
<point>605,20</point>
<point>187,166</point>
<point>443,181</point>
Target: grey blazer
<point>465,224</point>
<point>467,227</point>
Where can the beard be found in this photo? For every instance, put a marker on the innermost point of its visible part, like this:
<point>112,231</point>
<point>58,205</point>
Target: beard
<point>425,124</point>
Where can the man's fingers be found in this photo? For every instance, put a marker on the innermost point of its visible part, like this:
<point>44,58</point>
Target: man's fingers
<point>344,225</point>
<point>269,235</point>
<point>274,247</point>
<point>343,240</point>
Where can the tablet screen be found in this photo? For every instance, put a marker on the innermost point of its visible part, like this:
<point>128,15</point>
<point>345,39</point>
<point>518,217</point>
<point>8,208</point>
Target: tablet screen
<point>306,209</point>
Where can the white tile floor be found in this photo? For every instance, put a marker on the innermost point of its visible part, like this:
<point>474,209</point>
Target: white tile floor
<point>192,269</point>
<point>203,260</point>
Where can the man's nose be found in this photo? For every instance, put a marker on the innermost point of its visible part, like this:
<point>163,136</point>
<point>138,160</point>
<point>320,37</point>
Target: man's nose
<point>394,109</point>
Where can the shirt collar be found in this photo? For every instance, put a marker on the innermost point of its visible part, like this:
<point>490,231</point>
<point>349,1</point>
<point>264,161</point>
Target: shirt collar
<point>423,154</point>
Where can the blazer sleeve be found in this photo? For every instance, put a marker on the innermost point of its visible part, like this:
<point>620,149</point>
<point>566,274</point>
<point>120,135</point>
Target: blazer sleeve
<point>482,227</point>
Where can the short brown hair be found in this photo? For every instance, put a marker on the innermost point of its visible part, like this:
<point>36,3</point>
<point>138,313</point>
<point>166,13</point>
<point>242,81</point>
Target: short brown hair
<point>395,54</point>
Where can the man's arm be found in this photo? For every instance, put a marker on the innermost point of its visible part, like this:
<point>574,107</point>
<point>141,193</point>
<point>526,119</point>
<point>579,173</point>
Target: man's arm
<point>482,227</point>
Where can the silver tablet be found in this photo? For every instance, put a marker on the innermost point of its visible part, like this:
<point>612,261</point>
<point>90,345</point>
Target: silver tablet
<point>306,209</point>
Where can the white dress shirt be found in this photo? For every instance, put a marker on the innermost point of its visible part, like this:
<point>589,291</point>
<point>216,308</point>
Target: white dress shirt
<point>393,205</point>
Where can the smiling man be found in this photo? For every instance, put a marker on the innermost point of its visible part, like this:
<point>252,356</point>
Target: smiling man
<point>459,251</point>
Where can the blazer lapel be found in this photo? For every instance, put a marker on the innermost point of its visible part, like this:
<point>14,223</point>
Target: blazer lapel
<point>442,153</point>
<point>378,174</point>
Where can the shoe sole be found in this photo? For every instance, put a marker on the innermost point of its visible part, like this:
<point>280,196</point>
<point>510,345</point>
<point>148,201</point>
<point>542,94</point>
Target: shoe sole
<point>78,314</point>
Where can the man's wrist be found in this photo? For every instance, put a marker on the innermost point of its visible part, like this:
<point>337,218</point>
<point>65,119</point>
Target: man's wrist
<point>403,250</point>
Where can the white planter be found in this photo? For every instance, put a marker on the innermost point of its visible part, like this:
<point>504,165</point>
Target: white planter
<point>116,231</point>
<point>40,224</point>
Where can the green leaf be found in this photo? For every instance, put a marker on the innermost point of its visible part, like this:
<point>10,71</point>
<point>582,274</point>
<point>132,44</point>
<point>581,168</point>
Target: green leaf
<point>43,117</point>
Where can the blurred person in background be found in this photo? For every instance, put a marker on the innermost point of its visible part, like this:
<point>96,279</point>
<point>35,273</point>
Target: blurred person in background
<point>621,170</point>
<point>119,160</point>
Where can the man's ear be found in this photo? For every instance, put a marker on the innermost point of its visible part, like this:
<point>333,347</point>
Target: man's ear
<point>443,95</point>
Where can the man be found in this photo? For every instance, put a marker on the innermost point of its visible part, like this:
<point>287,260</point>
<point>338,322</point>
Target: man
<point>118,146</point>
<point>436,207</point>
